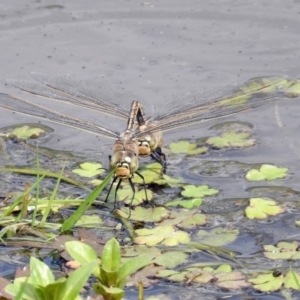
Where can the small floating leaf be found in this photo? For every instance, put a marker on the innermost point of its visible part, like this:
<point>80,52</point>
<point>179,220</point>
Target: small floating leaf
<point>267,282</point>
<point>187,148</point>
<point>217,236</point>
<point>88,169</point>
<point>166,235</point>
<point>145,214</point>
<point>283,250</point>
<point>266,172</point>
<point>261,208</point>
<point>231,138</point>
<point>26,132</point>
<point>185,203</point>
<point>198,191</point>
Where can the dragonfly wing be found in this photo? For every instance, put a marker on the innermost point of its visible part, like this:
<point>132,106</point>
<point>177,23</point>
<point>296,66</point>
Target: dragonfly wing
<point>23,106</point>
<point>198,109</point>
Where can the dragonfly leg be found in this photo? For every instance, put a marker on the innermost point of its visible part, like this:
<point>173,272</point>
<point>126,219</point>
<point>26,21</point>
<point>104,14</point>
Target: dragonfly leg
<point>144,184</point>
<point>160,157</point>
<point>117,187</point>
<point>114,180</point>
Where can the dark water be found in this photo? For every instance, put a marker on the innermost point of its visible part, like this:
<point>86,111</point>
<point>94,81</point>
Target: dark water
<point>159,50</point>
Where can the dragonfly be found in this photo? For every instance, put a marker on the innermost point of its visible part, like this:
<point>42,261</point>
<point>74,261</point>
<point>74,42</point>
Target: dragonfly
<point>144,135</point>
<point>182,112</point>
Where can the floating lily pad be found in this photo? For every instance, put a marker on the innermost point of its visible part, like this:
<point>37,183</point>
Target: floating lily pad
<point>223,276</point>
<point>145,214</point>
<point>283,250</point>
<point>231,138</point>
<point>218,236</point>
<point>166,235</point>
<point>26,132</point>
<point>88,169</point>
<point>262,208</point>
<point>185,219</point>
<point>198,191</point>
<point>185,203</point>
<point>266,172</point>
<point>168,180</point>
<point>151,173</point>
<point>125,194</point>
<point>187,148</point>
<point>269,282</point>
<point>169,259</point>
<point>90,221</point>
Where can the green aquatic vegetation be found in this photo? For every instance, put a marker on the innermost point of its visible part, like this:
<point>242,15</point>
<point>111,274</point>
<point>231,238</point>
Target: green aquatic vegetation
<point>71,221</point>
<point>151,214</point>
<point>217,236</point>
<point>27,132</point>
<point>283,250</point>
<point>262,208</point>
<point>110,272</point>
<point>187,219</point>
<point>89,221</point>
<point>185,203</point>
<point>88,169</point>
<point>167,235</point>
<point>198,191</point>
<point>188,148</point>
<point>223,276</point>
<point>266,172</point>
<point>150,173</point>
<point>41,283</point>
<point>270,281</point>
<point>125,195</point>
<point>166,258</point>
<point>231,138</point>
<point>292,89</point>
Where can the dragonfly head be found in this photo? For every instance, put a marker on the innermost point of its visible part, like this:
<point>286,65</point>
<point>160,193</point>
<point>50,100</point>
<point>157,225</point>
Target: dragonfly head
<point>144,147</point>
<point>126,163</point>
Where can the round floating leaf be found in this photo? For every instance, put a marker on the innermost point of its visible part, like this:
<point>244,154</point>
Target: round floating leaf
<point>88,169</point>
<point>185,219</point>
<point>283,250</point>
<point>26,132</point>
<point>290,282</point>
<point>187,148</point>
<point>261,208</point>
<point>185,203</point>
<point>126,195</point>
<point>198,191</point>
<point>267,282</point>
<point>231,138</point>
<point>217,236</point>
<point>166,235</point>
<point>145,214</point>
<point>266,172</point>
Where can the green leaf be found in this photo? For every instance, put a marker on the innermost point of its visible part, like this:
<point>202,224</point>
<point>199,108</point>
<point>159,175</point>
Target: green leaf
<point>26,132</point>
<point>40,273</point>
<point>131,266</point>
<point>144,214</point>
<point>109,292</point>
<point>70,222</point>
<point>267,282</point>
<point>111,256</point>
<point>76,281</point>
<point>88,169</point>
<point>283,250</point>
<point>81,252</point>
<point>198,191</point>
<point>166,235</point>
<point>261,208</point>
<point>187,148</point>
<point>266,172</point>
<point>218,236</point>
<point>185,203</point>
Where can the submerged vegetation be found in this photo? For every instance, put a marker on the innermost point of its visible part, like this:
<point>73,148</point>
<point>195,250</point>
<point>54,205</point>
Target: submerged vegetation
<point>185,233</point>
